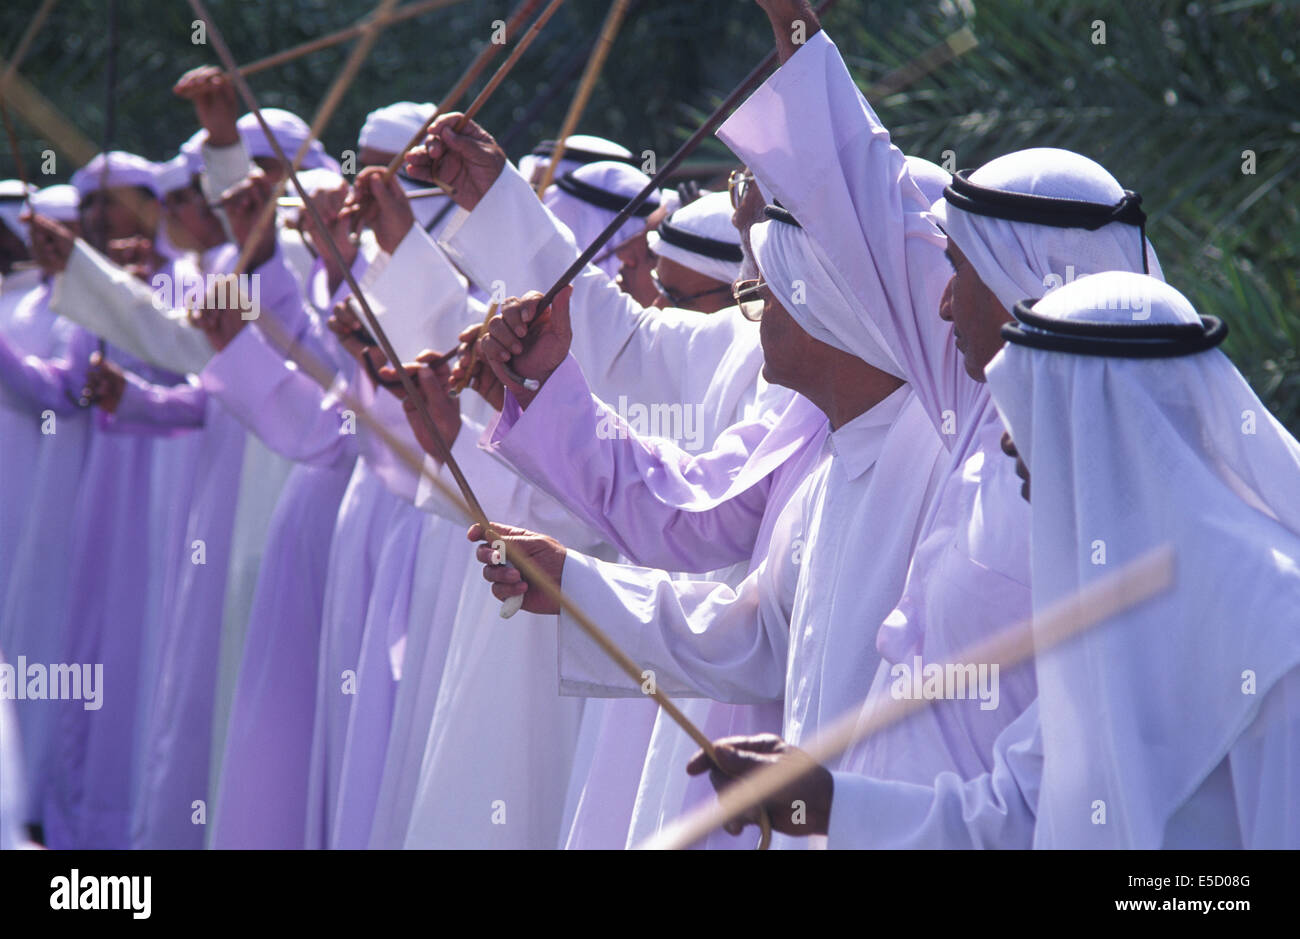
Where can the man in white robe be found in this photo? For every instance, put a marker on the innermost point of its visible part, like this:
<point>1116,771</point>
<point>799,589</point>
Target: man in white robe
<point>806,597</point>
<point>809,134</point>
<point>1139,738</point>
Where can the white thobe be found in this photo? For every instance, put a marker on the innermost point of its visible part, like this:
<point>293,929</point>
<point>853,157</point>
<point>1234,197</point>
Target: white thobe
<point>636,359</point>
<point>499,740</point>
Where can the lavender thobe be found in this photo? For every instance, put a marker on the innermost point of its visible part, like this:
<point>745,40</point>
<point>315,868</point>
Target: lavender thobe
<point>35,611</point>
<point>262,784</point>
<point>114,557</point>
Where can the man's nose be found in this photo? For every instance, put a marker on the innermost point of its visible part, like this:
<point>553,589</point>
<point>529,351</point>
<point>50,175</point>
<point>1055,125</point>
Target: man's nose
<point>945,302</point>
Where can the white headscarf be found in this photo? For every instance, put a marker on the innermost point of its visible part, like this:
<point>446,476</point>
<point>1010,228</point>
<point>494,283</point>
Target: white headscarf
<point>192,151</point>
<point>290,131</point>
<point>314,181</point>
<point>113,169</point>
<point>59,202</point>
<point>13,196</point>
<point>814,295</point>
<point>585,220</point>
<point>391,127</point>
<point>319,180</point>
<point>709,217</point>
<point>1125,455</point>
<point>930,178</point>
<point>172,174</point>
<point>580,144</point>
<point>1015,258</point>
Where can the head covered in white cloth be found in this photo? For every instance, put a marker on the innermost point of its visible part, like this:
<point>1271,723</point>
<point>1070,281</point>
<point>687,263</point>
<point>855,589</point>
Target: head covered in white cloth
<point>115,169</point>
<point>1126,454</point>
<point>388,130</point>
<point>59,202</point>
<point>290,132</point>
<point>707,217</point>
<point>930,178</point>
<point>172,174</point>
<point>314,181</point>
<point>814,294</point>
<point>1017,259</point>
<point>13,201</point>
<point>572,199</point>
<point>580,150</point>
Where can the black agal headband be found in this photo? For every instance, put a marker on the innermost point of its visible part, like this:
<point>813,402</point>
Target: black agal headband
<point>1046,210</point>
<point>699,244</point>
<point>779,213</point>
<point>1116,340</point>
<point>578,155</point>
<point>602,198</point>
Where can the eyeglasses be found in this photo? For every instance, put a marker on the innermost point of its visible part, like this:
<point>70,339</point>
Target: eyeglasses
<point>675,298</point>
<point>738,184</point>
<point>749,298</point>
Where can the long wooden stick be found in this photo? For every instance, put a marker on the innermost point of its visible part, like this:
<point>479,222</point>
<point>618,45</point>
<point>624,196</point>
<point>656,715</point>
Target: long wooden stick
<point>24,43</point>
<point>503,71</point>
<point>613,21</point>
<point>1147,577</point>
<point>711,123</point>
<point>343,35</point>
<point>324,112</point>
<point>452,98</point>
<point>40,113</point>
<point>20,53</point>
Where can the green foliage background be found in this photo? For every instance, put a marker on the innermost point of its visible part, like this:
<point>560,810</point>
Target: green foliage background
<point>1169,103</point>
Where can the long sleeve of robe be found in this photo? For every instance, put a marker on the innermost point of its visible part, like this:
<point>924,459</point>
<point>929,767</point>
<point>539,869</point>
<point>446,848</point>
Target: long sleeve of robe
<point>706,362</point>
<point>417,295</point>
<point>692,638</point>
<point>992,810</point>
<point>148,408</point>
<point>279,402</point>
<point>224,166</point>
<point>654,501</point>
<point>112,303</point>
<point>52,384</point>
<point>504,494</point>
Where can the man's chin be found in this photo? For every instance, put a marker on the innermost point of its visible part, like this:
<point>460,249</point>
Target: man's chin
<point>973,368</point>
<point>773,377</point>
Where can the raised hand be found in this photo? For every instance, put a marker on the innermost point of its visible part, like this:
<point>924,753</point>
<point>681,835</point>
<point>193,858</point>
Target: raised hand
<point>801,808</point>
<point>135,255</point>
<point>51,243</point>
<point>508,544</point>
<point>338,228</point>
<point>244,204</point>
<point>222,316</point>
<point>213,96</point>
<point>793,24</point>
<point>467,162</point>
<point>381,204</point>
<point>482,380</point>
<point>532,342</point>
<point>353,336</point>
<point>105,383</point>
<point>431,386</point>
